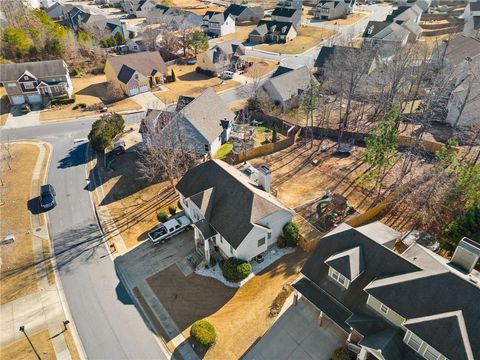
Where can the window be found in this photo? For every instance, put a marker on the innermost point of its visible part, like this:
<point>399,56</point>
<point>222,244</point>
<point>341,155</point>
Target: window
<point>261,242</point>
<point>28,85</point>
<point>25,77</point>
<point>339,278</point>
<point>11,85</point>
<point>384,309</point>
<point>269,235</point>
<point>431,354</point>
<point>414,342</point>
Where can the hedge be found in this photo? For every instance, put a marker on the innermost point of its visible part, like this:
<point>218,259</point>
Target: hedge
<point>162,216</point>
<point>236,269</point>
<point>63,101</point>
<point>203,333</point>
<point>172,209</point>
<point>291,233</point>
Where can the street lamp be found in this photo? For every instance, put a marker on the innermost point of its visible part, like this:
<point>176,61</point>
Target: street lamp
<point>65,323</point>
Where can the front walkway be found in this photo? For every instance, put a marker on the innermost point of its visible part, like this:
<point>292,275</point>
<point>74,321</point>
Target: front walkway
<point>296,335</point>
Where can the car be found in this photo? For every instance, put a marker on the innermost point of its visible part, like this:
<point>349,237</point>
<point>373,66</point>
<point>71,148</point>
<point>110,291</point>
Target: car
<point>226,75</point>
<point>173,226</point>
<point>191,61</point>
<point>47,197</point>
<point>131,16</point>
<point>25,108</point>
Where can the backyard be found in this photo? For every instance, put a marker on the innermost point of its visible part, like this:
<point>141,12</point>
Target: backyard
<point>238,320</point>
<point>260,67</point>
<point>196,6</point>
<point>88,90</point>
<point>189,82</point>
<point>240,34</point>
<point>308,37</point>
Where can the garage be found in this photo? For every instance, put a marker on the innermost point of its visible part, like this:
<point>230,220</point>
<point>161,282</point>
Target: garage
<point>17,99</point>
<point>144,88</point>
<point>34,98</point>
<point>133,91</point>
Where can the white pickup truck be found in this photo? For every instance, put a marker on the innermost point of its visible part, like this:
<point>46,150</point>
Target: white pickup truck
<point>169,228</point>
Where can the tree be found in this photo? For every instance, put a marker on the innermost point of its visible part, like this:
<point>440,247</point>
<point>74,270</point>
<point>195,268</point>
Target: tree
<point>291,233</point>
<point>113,91</point>
<point>16,43</point>
<point>104,130</point>
<point>168,3</point>
<point>466,224</point>
<point>198,41</point>
<point>119,39</point>
<point>53,47</point>
<point>381,147</point>
<point>169,45</point>
<point>274,134</point>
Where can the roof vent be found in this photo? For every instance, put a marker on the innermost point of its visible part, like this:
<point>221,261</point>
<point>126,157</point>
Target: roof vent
<point>466,254</point>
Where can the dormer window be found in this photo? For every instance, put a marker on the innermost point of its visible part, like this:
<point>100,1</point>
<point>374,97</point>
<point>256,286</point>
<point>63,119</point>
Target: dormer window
<point>339,278</point>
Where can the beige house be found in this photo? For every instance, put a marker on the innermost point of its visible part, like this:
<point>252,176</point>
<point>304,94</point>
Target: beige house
<point>136,73</point>
<point>228,55</point>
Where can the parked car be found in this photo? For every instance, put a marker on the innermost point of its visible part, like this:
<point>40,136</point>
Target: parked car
<point>191,61</point>
<point>25,108</point>
<point>47,197</point>
<point>119,147</point>
<point>226,75</point>
<point>169,228</point>
<point>131,16</point>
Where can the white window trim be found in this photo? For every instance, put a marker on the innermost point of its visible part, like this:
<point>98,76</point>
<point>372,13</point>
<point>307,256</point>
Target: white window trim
<point>384,309</point>
<point>339,278</point>
<point>408,337</point>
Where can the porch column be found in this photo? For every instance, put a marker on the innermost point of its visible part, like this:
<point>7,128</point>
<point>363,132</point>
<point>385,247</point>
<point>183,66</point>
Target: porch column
<point>295,298</point>
<point>320,318</point>
<point>207,250</point>
<point>195,236</point>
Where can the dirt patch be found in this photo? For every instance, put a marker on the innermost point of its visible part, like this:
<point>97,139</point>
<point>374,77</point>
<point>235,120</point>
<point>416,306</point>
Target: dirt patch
<point>17,268</point>
<point>280,301</point>
<point>307,38</point>
<point>239,316</point>
<point>22,350</point>
<point>260,67</point>
<point>191,83</point>
<point>196,6</point>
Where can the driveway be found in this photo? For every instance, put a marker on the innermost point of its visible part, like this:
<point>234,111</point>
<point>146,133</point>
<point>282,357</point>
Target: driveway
<point>16,119</point>
<point>148,101</point>
<point>296,336</point>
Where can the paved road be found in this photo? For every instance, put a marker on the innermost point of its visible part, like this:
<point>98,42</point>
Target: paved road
<point>109,326</point>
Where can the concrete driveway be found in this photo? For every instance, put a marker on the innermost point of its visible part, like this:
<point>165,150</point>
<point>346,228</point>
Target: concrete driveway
<point>148,101</point>
<point>296,336</point>
<point>17,119</point>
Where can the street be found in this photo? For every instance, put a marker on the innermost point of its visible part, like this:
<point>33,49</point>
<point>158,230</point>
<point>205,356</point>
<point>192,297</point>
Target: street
<point>109,325</point>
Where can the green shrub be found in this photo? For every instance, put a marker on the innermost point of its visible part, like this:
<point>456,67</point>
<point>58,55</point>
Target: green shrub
<point>281,241</point>
<point>236,269</point>
<point>162,216</point>
<point>291,233</point>
<point>342,353</point>
<point>63,101</point>
<point>203,333</point>
<point>172,209</point>
<point>179,205</point>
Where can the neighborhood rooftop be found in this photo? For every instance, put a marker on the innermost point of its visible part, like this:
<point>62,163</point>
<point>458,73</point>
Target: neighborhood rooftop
<point>11,72</point>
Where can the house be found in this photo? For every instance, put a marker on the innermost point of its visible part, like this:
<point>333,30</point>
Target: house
<point>227,55</point>
<point>293,16</point>
<point>365,58</point>
<point>174,18</point>
<point>405,13</point>
<point>394,306</point>
<point>385,36</point>
<point>272,31</point>
<point>329,10</point>
<point>130,6</point>
<point>292,4</point>
<point>205,121</point>
<point>144,8</point>
<point>136,73</point>
<point>233,215</point>
<point>36,82</point>
<point>286,86</point>
<point>472,20</point>
<point>218,23</point>
<point>58,10</point>
<point>464,103</point>
<point>241,13</point>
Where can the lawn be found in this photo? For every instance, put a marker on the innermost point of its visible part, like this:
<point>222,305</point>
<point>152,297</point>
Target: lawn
<point>263,135</point>
<point>240,316</point>
<point>224,150</point>
<point>260,67</point>
<point>191,83</point>
<point>18,274</point>
<point>88,90</point>
<point>22,350</point>
<point>196,6</point>
<point>4,106</point>
<point>307,38</point>
<point>352,19</point>
<point>241,33</point>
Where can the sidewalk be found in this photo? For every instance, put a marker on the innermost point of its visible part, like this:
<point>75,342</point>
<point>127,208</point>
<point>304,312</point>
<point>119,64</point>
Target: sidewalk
<point>47,308</point>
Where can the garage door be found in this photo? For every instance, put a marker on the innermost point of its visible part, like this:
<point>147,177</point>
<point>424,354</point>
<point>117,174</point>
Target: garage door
<point>144,88</point>
<point>34,98</point>
<point>133,91</point>
<point>18,100</point>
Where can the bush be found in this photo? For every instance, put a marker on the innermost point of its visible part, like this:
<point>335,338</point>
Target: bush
<point>162,216</point>
<point>203,333</point>
<point>104,130</point>
<point>179,205</point>
<point>79,106</point>
<point>281,241</point>
<point>63,101</point>
<point>343,353</point>
<point>172,209</point>
<point>236,269</point>
<point>291,233</point>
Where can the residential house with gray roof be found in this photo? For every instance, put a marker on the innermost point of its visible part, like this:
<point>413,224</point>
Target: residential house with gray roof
<point>328,10</point>
<point>204,122</point>
<point>395,306</point>
<point>36,82</point>
<point>218,23</point>
<point>227,55</point>
<point>285,14</point>
<point>273,32</point>
<point>286,88</point>
<point>242,13</point>
<point>233,214</point>
<point>385,36</point>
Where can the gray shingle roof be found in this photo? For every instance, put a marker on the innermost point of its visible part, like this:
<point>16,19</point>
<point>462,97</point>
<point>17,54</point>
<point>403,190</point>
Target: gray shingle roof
<point>284,12</point>
<point>40,69</point>
<point>275,27</point>
<point>349,263</point>
<point>146,63</point>
<point>236,203</point>
<point>292,83</point>
<point>460,47</point>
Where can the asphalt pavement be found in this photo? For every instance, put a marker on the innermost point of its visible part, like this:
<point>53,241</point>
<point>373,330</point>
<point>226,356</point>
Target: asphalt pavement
<point>109,325</point>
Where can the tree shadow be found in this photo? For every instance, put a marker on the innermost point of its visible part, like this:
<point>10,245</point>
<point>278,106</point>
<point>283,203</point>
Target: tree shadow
<point>194,76</point>
<point>75,157</point>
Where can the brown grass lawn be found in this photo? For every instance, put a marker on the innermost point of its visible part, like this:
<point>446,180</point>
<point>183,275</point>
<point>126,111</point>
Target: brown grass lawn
<point>18,276</point>
<point>352,19</point>
<point>89,90</point>
<point>240,316</point>
<point>260,67</point>
<point>4,106</point>
<point>196,6</point>
<point>308,37</point>
<point>22,350</point>
<point>241,33</point>
<point>191,83</point>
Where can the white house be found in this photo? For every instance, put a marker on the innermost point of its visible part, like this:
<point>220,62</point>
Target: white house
<point>233,215</point>
<point>218,23</point>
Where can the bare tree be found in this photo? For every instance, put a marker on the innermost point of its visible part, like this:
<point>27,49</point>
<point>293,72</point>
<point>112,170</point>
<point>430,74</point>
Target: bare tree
<point>113,91</point>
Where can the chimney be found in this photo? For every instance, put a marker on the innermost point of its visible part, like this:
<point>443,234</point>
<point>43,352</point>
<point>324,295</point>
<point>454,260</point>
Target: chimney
<point>264,177</point>
<point>466,254</point>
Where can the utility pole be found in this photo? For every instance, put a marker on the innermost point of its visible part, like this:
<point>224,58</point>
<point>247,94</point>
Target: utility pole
<point>22,329</point>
